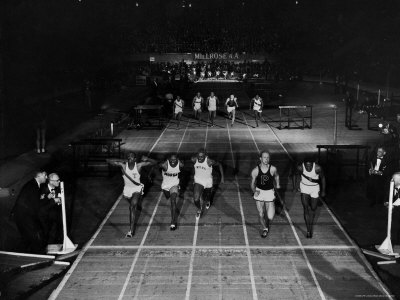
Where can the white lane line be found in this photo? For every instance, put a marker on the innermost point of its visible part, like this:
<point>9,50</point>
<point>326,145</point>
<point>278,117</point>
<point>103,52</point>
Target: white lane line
<point>61,285</point>
<point>294,229</point>
<point>128,277</point>
<point>246,239</point>
<point>141,279</point>
<point>196,230</point>
<point>190,276</point>
<point>216,247</point>
<point>252,136</point>
<point>360,254</point>
<point>141,246</point>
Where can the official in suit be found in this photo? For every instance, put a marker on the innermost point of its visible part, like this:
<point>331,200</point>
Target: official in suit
<point>50,214</point>
<point>378,174</point>
<point>25,213</point>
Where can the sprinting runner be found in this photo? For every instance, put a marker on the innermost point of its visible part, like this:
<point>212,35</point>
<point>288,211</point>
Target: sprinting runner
<point>203,180</point>
<point>212,104</point>
<point>178,109</point>
<point>312,186</point>
<point>231,104</point>
<point>257,105</point>
<point>197,106</point>
<point>133,188</point>
<point>264,178</point>
<point>170,184</point>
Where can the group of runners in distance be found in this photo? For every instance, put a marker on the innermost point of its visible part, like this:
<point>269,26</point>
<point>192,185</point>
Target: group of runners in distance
<point>212,103</point>
<point>264,184</point>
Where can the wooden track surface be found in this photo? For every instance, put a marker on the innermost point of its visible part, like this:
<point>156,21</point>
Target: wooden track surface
<point>222,256</point>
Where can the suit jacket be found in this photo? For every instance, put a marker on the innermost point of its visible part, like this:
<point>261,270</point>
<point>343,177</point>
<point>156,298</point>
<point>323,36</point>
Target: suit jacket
<point>383,166</point>
<point>46,203</point>
<point>28,201</point>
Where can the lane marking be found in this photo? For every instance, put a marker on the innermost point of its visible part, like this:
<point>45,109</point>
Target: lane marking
<point>292,226</point>
<point>216,247</point>
<point>196,229</point>
<point>66,277</point>
<point>141,246</point>
<point>360,254</point>
<point>246,239</point>
<point>128,277</point>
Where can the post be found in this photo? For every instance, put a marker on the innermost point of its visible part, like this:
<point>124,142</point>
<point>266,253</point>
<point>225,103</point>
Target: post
<point>112,129</point>
<point>386,247</point>
<point>358,91</point>
<point>379,97</point>
<point>335,125</point>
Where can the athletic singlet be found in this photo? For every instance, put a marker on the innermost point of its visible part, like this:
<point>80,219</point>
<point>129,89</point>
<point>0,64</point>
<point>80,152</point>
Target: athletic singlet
<point>178,106</point>
<point>197,102</point>
<point>212,103</point>
<point>170,177</point>
<point>312,174</point>
<point>134,174</point>
<point>202,172</point>
<point>257,104</point>
<point>230,103</point>
<point>264,181</point>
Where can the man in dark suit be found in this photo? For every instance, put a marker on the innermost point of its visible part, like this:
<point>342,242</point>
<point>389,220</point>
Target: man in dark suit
<point>25,213</point>
<point>350,102</point>
<point>377,179</point>
<point>50,214</point>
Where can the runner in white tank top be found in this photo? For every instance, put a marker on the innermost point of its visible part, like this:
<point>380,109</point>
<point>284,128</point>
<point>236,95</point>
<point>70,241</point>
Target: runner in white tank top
<point>170,184</point>
<point>197,105</point>
<point>133,188</point>
<point>231,104</point>
<point>212,104</point>
<point>203,180</point>
<point>178,110</point>
<point>312,186</point>
<point>257,105</point>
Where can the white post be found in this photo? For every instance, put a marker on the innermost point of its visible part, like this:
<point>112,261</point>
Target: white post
<point>112,129</point>
<point>358,91</point>
<point>386,247</point>
<point>68,246</point>
<point>379,97</point>
<point>335,126</point>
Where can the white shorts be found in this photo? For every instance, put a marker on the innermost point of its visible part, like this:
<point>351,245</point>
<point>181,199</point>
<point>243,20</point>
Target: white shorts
<point>206,183</point>
<point>258,110</point>
<point>178,110</point>
<point>172,189</point>
<point>197,106</point>
<point>312,190</point>
<point>230,109</point>
<point>130,190</point>
<point>264,195</point>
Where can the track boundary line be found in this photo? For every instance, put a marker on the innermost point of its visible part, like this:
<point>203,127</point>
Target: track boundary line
<point>294,229</point>
<point>196,230</point>
<point>237,247</point>
<point>246,238</point>
<point>128,277</point>
<point>139,249</point>
<point>66,277</point>
<point>61,285</point>
<point>362,257</point>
